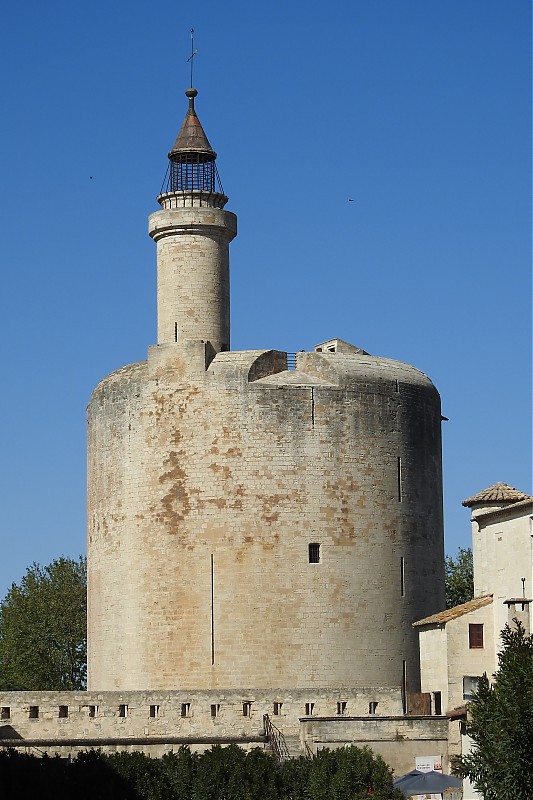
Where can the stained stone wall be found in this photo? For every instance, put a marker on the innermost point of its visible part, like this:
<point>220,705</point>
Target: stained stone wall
<point>209,479</point>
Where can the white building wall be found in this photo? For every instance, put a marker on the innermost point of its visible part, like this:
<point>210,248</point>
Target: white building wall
<point>434,663</point>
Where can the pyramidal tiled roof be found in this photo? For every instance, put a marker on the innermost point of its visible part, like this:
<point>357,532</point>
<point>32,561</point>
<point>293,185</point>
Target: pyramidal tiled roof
<point>499,493</point>
<point>457,611</point>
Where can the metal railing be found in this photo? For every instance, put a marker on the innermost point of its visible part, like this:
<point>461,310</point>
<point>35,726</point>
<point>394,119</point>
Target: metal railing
<point>291,360</point>
<point>276,740</point>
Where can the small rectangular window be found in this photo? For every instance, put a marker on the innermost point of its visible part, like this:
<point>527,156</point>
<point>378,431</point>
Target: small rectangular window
<point>437,703</point>
<point>341,707</point>
<point>93,711</point>
<point>154,712</point>
<point>277,709</point>
<point>470,683</point>
<point>186,709</point>
<point>5,713</point>
<point>314,553</point>
<point>63,712</point>
<point>215,709</point>
<point>247,709</point>
<point>34,712</point>
<point>372,707</point>
<point>309,708</point>
<point>475,636</point>
<point>123,710</point>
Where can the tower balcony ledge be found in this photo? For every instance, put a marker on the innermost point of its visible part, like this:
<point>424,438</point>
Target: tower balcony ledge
<point>192,198</point>
<point>203,221</point>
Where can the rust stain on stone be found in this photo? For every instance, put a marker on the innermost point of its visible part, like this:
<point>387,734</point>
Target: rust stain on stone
<point>219,502</point>
<point>176,476</point>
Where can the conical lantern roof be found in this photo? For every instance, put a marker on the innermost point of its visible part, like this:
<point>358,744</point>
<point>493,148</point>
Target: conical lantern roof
<point>192,138</point>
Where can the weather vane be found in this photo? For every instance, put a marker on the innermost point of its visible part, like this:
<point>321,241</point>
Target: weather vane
<point>193,52</point>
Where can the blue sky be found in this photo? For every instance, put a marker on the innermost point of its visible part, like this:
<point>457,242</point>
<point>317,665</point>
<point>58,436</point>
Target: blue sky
<point>419,110</point>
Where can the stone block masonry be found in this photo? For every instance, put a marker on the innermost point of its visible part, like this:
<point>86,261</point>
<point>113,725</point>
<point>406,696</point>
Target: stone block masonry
<point>250,526</point>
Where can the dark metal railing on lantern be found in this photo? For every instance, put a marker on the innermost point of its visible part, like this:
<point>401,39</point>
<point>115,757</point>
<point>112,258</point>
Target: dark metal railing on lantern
<point>192,172</point>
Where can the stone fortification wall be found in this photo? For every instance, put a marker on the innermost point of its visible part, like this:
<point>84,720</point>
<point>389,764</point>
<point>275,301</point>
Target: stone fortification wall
<point>65,723</point>
<point>398,741</point>
<point>159,721</point>
<point>252,526</point>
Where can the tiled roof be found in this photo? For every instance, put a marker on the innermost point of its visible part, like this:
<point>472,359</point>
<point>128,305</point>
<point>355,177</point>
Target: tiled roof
<point>457,713</point>
<point>457,611</point>
<point>499,493</point>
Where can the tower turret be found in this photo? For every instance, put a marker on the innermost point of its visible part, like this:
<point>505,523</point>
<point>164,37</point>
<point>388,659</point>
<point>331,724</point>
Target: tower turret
<point>193,233</point>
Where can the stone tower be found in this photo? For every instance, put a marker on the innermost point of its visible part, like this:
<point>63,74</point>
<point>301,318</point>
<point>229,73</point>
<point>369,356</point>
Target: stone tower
<point>193,233</point>
<point>251,525</point>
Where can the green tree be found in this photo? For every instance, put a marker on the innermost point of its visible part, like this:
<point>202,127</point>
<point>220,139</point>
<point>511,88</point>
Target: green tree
<point>459,578</point>
<point>349,773</point>
<point>500,724</point>
<point>43,621</point>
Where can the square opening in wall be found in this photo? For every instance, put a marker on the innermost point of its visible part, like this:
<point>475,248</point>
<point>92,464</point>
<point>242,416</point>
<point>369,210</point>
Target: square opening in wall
<point>247,709</point>
<point>5,712</point>
<point>186,709</point>
<point>309,708</point>
<point>277,709</point>
<point>470,683</point>
<point>93,711</point>
<point>63,712</point>
<point>33,712</point>
<point>154,711</point>
<point>314,553</point>
<point>372,707</point>
<point>123,710</point>
<point>215,709</point>
<point>341,707</point>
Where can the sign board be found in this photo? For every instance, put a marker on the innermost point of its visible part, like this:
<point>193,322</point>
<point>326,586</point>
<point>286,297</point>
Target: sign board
<point>429,763</point>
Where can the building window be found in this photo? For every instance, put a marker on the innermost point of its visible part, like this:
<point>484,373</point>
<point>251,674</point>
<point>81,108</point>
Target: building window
<point>475,636</point>
<point>437,703</point>
<point>215,709</point>
<point>309,708</point>
<point>470,683</point>
<point>5,713</point>
<point>123,710</point>
<point>154,712</point>
<point>314,553</point>
<point>185,709</point>
<point>247,709</point>
<point>63,712</point>
<point>277,709</point>
<point>372,707</point>
<point>341,706</point>
<point>93,711</point>
<point>34,712</point>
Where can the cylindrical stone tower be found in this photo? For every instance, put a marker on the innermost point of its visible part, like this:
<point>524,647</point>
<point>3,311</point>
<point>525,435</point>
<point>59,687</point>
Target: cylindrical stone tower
<point>250,525</point>
<point>193,233</point>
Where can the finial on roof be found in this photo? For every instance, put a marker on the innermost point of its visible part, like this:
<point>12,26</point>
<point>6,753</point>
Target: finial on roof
<point>193,52</point>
